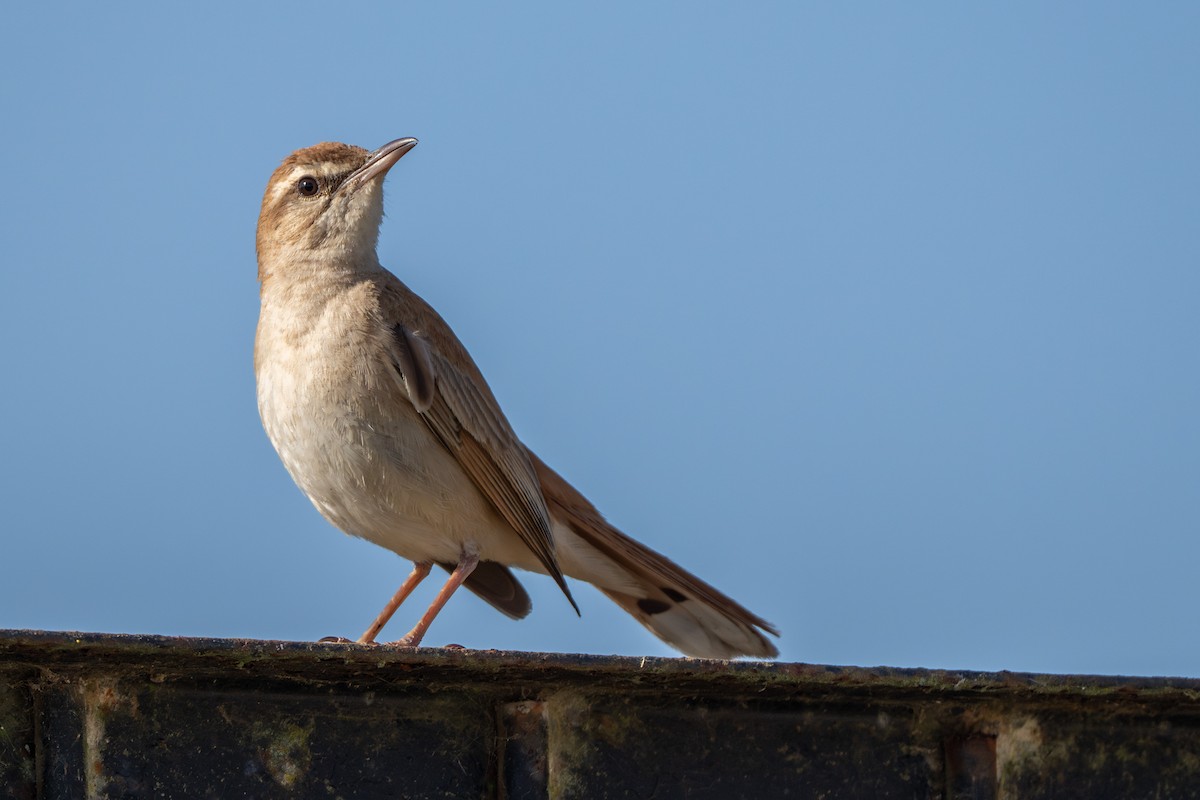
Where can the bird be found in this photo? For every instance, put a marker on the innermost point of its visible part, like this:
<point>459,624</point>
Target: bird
<point>383,420</point>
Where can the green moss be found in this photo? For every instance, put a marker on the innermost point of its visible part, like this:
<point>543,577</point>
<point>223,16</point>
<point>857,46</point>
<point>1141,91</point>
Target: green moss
<point>284,750</point>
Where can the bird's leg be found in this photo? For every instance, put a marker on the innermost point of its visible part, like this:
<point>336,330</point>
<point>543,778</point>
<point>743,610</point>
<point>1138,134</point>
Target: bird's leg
<point>466,565</point>
<point>419,571</point>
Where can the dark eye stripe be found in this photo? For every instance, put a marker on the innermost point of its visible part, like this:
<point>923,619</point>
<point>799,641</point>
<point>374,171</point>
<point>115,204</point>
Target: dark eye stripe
<point>330,182</point>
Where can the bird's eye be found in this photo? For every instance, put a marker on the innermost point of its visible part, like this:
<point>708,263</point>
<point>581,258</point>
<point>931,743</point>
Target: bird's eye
<point>307,186</point>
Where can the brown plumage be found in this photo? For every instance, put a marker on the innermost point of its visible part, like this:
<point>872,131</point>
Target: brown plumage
<point>384,421</point>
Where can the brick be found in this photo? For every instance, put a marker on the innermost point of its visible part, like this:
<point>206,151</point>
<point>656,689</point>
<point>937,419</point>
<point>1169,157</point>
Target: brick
<point>157,742</point>
<point>1099,756</point>
<point>17,746</point>
<point>636,748</point>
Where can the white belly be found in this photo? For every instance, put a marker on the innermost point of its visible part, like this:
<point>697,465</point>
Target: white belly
<point>354,444</point>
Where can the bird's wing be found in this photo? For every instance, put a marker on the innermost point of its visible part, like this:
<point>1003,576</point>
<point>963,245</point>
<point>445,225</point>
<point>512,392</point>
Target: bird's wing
<point>468,422</point>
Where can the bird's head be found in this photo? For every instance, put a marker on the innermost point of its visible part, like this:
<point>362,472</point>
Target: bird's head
<point>325,202</point>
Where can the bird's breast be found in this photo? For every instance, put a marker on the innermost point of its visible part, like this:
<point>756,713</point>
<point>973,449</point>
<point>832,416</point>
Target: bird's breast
<point>352,441</point>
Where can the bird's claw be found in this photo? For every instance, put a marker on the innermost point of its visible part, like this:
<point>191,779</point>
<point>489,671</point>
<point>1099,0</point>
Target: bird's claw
<point>344,640</point>
<point>402,642</point>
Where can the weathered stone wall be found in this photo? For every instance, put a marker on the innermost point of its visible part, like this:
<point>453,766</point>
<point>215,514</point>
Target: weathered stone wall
<point>95,716</point>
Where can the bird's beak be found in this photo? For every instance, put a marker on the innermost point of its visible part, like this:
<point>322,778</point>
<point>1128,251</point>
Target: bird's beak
<point>379,162</point>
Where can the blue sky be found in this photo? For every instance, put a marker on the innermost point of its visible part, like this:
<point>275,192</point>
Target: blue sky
<point>882,319</point>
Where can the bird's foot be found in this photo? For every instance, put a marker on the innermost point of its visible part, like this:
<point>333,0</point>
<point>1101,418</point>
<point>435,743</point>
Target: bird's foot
<point>342,640</point>
<point>406,641</point>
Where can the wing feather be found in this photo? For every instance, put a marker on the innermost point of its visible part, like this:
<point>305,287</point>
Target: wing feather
<point>471,427</point>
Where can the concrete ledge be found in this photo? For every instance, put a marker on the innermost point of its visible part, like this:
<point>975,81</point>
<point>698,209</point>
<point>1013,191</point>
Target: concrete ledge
<point>103,716</point>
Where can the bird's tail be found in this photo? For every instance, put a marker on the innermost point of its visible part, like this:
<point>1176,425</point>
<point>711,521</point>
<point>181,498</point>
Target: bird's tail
<point>675,605</point>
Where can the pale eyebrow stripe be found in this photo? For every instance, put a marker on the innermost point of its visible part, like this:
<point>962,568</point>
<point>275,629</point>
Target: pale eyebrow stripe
<point>323,171</point>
